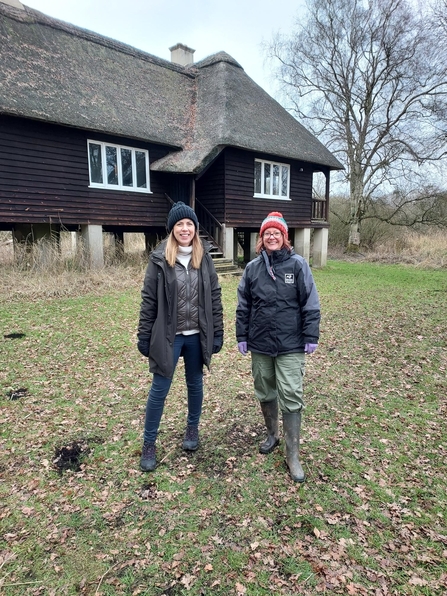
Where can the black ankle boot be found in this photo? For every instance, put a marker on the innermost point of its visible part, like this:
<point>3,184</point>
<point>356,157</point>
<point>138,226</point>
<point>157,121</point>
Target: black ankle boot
<point>191,440</point>
<point>148,459</point>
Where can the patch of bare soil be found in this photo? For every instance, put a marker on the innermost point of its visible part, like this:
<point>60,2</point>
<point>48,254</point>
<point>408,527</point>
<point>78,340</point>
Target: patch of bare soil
<point>71,456</point>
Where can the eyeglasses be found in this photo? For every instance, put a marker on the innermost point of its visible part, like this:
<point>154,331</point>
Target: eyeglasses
<point>274,234</point>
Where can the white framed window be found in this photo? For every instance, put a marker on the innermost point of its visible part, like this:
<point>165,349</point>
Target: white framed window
<point>272,180</point>
<point>117,167</point>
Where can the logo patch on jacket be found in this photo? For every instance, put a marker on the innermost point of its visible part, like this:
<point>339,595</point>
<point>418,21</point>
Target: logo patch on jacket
<point>289,278</point>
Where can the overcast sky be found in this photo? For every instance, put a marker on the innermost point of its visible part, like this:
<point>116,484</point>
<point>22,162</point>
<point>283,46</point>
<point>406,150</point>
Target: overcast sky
<point>237,27</point>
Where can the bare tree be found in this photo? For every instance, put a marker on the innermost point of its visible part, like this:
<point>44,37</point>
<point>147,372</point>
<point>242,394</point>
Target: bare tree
<point>439,25</point>
<point>368,78</point>
<point>440,14</point>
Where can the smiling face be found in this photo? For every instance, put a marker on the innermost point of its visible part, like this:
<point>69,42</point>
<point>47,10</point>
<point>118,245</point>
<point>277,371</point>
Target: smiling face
<point>272,239</point>
<point>184,231</point>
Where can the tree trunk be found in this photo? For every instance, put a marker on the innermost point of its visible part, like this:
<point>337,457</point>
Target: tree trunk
<point>356,198</point>
<point>354,236</point>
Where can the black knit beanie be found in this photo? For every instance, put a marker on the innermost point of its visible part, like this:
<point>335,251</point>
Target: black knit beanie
<point>181,211</point>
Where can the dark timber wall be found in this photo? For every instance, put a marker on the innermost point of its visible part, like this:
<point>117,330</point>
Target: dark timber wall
<point>44,179</point>
<point>210,188</point>
<point>226,190</point>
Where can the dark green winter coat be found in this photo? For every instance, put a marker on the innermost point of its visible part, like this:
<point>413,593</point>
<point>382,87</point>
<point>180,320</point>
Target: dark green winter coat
<point>158,313</point>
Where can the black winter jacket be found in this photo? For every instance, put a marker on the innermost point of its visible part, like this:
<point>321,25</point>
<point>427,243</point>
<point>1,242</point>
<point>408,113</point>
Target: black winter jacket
<point>158,313</point>
<point>278,309</point>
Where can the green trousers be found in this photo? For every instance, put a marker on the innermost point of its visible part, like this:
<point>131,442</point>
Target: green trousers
<point>281,378</point>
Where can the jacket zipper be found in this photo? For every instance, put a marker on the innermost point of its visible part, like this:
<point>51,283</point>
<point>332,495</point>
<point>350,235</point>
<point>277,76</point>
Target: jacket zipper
<point>187,297</point>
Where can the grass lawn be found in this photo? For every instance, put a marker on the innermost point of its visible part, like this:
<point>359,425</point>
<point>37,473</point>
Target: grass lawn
<point>78,517</point>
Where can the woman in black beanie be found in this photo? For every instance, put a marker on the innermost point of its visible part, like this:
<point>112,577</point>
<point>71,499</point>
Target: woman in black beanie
<point>181,315</point>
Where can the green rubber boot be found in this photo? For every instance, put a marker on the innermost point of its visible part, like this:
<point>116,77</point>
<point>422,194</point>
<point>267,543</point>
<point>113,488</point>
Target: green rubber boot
<point>291,427</point>
<point>270,412</point>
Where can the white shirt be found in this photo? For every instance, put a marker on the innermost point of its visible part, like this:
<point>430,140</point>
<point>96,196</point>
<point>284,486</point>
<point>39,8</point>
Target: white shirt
<point>184,255</point>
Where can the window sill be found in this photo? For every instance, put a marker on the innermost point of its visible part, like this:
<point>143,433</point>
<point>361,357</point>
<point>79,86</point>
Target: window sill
<point>120,188</point>
<point>269,197</point>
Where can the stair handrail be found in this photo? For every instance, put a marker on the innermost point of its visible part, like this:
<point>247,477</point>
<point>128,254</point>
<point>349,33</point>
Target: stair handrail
<point>210,225</point>
<point>170,201</point>
<point>209,214</point>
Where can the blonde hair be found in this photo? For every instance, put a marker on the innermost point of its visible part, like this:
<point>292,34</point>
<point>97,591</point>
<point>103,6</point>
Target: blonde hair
<point>260,244</point>
<point>171,250</point>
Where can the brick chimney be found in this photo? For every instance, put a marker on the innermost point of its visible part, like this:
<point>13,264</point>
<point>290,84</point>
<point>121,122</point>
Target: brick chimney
<point>181,54</point>
<point>14,3</point>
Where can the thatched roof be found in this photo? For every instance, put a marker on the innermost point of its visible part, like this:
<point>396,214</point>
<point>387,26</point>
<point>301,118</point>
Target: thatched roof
<point>56,72</point>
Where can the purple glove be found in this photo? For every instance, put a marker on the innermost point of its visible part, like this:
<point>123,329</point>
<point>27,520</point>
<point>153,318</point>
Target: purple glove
<point>310,348</point>
<point>242,347</point>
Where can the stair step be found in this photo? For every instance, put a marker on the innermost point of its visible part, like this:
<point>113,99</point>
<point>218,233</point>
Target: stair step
<point>220,265</point>
<point>226,267</point>
<point>236,272</point>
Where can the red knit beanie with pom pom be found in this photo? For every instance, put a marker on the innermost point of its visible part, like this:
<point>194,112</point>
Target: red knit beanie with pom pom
<point>274,220</point>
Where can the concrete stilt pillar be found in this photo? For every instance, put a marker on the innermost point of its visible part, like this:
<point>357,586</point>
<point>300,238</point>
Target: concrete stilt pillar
<point>301,242</point>
<point>319,253</point>
<point>73,243</point>
<point>235,247</point>
<point>253,241</point>
<point>228,242</point>
<point>92,239</point>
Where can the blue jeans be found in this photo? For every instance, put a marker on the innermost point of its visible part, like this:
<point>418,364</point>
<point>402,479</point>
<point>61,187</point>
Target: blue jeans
<point>189,347</point>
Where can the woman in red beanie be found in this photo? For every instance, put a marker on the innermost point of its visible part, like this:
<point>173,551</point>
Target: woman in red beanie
<point>277,320</point>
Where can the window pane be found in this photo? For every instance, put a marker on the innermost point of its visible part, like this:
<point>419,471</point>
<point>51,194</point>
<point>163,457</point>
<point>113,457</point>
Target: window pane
<point>112,165</point>
<point>95,163</point>
<point>275,179</point>
<point>267,179</point>
<point>284,181</point>
<point>258,166</point>
<point>140,158</point>
<point>126,165</point>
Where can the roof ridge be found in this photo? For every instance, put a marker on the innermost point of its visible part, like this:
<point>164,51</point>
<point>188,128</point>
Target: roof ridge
<point>32,15</point>
<point>55,65</point>
<point>220,56</point>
